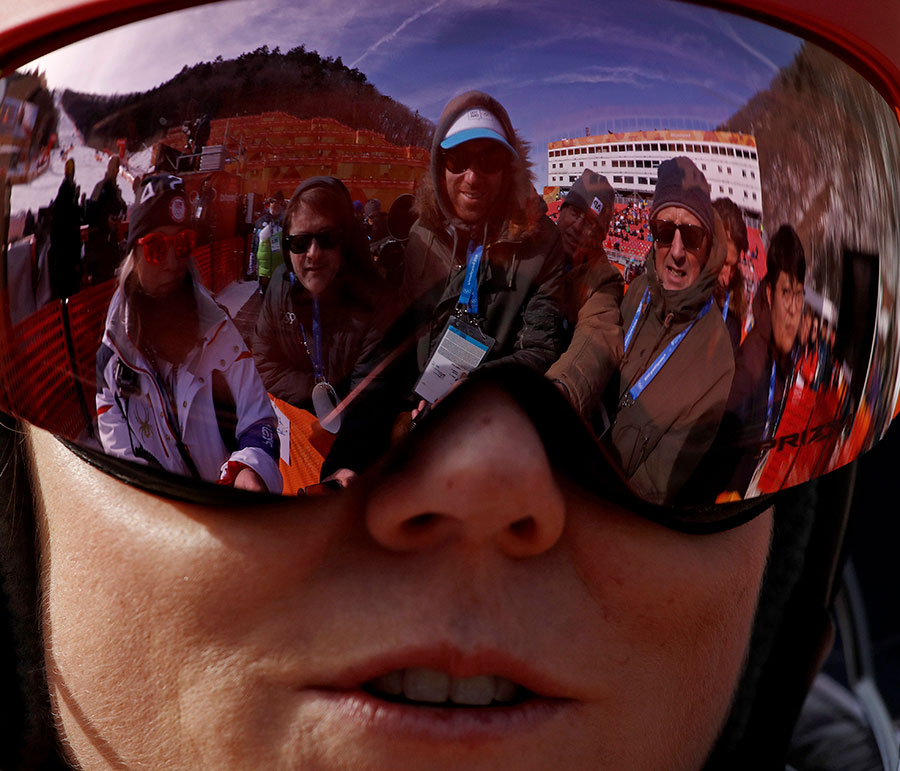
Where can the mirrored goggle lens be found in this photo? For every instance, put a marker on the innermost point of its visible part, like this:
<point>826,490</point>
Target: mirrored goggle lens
<point>299,243</point>
<point>702,402</point>
<point>692,236</point>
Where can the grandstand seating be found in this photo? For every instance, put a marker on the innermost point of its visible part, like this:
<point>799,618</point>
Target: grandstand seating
<point>276,151</point>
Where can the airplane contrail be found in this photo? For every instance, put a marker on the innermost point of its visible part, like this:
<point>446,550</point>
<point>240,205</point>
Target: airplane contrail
<point>391,35</point>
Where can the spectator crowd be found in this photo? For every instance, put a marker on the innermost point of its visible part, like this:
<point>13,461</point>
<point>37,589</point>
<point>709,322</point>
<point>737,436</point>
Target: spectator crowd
<point>682,376</point>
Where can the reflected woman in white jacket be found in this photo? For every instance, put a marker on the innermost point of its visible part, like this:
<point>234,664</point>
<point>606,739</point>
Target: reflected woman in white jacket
<point>177,388</point>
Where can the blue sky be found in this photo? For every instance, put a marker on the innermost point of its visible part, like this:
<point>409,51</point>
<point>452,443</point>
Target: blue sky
<point>557,67</point>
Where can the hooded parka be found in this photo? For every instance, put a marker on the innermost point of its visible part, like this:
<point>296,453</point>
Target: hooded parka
<point>520,282</point>
<point>660,437</point>
<point>520,276</point>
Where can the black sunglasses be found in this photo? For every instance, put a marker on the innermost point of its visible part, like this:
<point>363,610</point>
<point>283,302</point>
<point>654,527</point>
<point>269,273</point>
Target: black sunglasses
<point>488,160</point>
<point>299,243</point>
<point>692,236</point>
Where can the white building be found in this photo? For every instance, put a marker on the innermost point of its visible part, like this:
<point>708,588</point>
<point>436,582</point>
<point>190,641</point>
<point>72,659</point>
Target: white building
<point>629,161</point>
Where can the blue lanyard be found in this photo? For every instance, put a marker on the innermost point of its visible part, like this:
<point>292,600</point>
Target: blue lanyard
<point>653,370</point>
<point>725,307</point>
<point>769,405</point>
<point>316,353</point>
<point>469,295</point>
<point>645,301</point>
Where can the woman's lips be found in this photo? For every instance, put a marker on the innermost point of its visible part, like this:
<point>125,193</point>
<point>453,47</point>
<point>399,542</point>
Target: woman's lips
<point>358,710</point>
<point>431,686</point>
<point>443,673</point>
<point>438,693</point>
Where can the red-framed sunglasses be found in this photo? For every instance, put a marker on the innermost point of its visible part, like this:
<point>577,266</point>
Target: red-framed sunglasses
<point>157,245</point>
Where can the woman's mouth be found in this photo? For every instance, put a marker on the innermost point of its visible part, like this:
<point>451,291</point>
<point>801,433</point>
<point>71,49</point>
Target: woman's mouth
<point>439,695</point>
<point>432,687</point>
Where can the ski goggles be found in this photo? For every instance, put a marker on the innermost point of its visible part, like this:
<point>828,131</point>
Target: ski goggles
<point>157,245</point>
<point>689,430</point>
<point>692,236</point>
<point>299,243</point>
<point>491,159</point>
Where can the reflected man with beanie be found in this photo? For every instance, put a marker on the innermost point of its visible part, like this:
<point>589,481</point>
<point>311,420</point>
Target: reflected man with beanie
<point>65,237</point>
<point>668,399</point>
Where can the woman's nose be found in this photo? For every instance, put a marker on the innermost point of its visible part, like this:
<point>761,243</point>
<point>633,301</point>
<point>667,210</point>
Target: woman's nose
<point>480,477</point>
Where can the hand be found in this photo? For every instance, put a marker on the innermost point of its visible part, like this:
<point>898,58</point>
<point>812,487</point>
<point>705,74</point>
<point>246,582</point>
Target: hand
<point>343,476</point>
<point>418,408</point>
<point>248,479</point>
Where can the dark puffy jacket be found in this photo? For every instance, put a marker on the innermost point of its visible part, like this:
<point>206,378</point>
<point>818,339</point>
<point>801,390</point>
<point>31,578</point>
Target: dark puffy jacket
<point>519,288</point>
<point>347,315</point>
<point>660,438</point>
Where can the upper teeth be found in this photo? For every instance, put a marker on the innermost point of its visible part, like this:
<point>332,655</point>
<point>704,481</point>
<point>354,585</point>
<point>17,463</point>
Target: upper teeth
<point>435,687</point>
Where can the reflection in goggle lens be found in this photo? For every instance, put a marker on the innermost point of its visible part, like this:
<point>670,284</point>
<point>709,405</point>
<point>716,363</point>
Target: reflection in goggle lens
<point>490,160</point>
<point>692,236</point>
<point>299,243</point>
<point>240,369</point>
<point>157,245</point>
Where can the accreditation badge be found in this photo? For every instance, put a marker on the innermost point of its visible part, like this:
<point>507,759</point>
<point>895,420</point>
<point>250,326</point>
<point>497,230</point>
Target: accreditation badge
<point>461,349</point>
<point>325,402</point>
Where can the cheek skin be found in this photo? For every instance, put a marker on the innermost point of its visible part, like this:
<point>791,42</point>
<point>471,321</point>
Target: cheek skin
<point>676,613</point>
<point>150,619</point>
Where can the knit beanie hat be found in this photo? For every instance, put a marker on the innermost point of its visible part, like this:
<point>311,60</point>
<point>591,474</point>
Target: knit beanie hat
<point>680,183</point>
<point>592,194</point>
<point>373,207</point>
<point>163,202</point>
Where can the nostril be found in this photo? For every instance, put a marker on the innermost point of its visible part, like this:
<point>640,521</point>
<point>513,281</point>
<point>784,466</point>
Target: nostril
<point>524,528</point>
<point>419,523</point>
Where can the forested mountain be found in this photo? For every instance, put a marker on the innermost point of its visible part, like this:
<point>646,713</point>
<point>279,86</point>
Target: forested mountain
<point>298,82</point>
<point>827,145</point>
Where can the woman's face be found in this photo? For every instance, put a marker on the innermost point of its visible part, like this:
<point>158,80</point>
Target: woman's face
<point>161,270</point>
<point>182,636</point>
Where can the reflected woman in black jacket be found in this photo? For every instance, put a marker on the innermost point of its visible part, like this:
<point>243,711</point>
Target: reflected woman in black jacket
<point>321,305</point>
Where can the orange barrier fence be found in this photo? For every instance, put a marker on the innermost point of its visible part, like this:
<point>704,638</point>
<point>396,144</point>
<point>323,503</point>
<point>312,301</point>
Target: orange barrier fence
<point>40,381</point>
<point>86,315</point>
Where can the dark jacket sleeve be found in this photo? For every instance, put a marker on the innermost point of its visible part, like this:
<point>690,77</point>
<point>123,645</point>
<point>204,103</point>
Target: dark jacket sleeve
<point>278,358</point>
<point>595,351</point>
<point>381,384</point>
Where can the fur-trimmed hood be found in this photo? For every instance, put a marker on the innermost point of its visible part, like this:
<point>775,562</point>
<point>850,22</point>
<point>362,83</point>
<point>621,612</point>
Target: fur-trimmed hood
<point>518,210</point>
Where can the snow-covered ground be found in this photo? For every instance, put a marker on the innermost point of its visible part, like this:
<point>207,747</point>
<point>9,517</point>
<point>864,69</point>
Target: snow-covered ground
<point>90,168</point>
